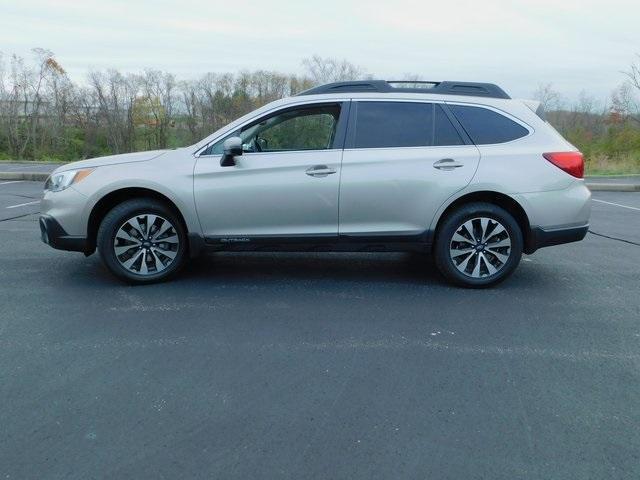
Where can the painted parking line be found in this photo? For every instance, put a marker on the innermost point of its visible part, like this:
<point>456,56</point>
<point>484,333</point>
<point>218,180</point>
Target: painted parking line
<point>616,204</point>
<point>13,181</point>
<point>24,204</point>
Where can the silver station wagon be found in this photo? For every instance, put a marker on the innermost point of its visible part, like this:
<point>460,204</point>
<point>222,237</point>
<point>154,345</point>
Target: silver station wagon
<point>455,169</point>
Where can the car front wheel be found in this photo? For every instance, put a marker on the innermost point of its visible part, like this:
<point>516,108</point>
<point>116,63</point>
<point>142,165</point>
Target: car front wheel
<point>478,245</point>
<point>142,241</point>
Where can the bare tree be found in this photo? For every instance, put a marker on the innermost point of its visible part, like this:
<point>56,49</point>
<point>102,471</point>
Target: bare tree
<point>626,97</point>
<point>587,104</point>
<point>24,99</point>
<point>115,95</point>
<point>191,107</point>
<point>4,107</point>
<point>549,98</point>
<point>268,86</point>
<point>326,70</point>
<point>411,77</point>
<point>624,105</point>
<point>633,74</point>
<point>86,120</point>
<point>154,108</point>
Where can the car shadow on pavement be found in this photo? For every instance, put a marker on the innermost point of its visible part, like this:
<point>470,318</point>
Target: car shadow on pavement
<point>240,267</point>
<point>411,268</point>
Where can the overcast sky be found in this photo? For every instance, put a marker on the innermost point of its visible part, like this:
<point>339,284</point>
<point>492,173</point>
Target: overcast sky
<point>574,44</point>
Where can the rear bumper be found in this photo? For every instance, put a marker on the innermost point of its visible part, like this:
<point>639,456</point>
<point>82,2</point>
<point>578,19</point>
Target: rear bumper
<point>55,236</point>
<point>546,238</point>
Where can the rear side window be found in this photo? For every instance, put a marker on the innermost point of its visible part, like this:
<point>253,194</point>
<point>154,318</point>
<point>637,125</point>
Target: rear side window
<point>393,124</point>
<point>485,126</point>
<point>403,124</point>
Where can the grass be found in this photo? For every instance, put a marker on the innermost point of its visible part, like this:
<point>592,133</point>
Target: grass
<point>43,160</point>
<point>626,164</point>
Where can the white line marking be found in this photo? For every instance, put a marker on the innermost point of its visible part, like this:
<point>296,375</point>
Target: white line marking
<point>24,204</point>
<point>616,204</point>
<point>13,181</point>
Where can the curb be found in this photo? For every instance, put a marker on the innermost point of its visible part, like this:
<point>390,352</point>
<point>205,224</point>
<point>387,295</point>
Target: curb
<point>29,176</point>
<point>613,187</point>
<point>44,162</point>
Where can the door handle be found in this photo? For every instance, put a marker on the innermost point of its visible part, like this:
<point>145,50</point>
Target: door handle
<point>319,171</point>
<point>447,164</point>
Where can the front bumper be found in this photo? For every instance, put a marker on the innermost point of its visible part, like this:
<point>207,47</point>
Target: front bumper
<point>55,236</point>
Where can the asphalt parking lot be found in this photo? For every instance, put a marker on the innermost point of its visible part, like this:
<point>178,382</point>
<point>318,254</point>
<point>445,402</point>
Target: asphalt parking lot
<point>320,366</point>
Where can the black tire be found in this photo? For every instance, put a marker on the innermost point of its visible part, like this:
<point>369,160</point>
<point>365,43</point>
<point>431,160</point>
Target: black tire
<point>453,223</point>
<point>119,215</point>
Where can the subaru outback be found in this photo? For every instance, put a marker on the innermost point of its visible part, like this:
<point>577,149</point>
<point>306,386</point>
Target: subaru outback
<point>455,169</point>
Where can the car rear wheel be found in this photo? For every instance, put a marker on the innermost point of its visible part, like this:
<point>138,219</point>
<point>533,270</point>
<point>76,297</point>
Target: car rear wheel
<point>142,241</point>
<point>478,245</point>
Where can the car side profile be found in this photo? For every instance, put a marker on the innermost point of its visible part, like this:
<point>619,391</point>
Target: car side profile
<point>456,169</point>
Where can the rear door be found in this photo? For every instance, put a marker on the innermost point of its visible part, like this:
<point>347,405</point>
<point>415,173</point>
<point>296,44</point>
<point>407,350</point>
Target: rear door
<point>402,160</point>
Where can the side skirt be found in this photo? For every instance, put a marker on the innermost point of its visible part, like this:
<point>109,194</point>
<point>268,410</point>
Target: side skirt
<point>328,243</point>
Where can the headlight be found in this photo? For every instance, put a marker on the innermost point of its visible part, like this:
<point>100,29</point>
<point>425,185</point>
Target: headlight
<point>59,181</point>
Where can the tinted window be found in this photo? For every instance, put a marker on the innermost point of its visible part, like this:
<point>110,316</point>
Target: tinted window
<point>485,126</point>
<point>444,131</point>
<point>393,124</point>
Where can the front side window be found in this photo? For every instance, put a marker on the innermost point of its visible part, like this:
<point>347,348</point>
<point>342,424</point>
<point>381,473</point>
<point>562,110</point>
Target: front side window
<point>486,127</point>
<point>305,128</point>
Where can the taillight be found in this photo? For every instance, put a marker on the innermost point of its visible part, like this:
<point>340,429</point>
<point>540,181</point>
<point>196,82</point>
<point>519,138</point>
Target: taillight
<point>570,162</point>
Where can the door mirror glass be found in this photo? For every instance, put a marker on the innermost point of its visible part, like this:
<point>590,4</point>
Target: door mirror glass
<point>232,148</point>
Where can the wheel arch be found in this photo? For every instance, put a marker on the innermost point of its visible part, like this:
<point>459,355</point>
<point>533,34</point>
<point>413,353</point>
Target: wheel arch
<point>499,199</point>
<point>115,197</point>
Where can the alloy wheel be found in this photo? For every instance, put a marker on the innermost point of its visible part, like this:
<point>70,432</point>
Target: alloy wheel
<point>146,244</point>
<point>480,247</point>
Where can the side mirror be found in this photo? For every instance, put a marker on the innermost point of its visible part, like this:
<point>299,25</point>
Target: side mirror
<point>232,148</point>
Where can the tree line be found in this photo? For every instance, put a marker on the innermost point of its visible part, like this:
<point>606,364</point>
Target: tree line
<point>44,115</point>
<point>607,132</point>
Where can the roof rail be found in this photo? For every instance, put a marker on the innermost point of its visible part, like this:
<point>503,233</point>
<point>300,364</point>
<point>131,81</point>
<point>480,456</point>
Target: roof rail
<point>474,89</point>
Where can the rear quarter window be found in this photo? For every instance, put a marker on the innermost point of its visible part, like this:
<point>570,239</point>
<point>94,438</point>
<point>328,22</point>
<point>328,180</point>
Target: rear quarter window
<point>485,126</point>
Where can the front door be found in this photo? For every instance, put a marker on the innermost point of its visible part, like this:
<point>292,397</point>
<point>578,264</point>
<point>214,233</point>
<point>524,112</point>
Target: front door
<point>285,184</point>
